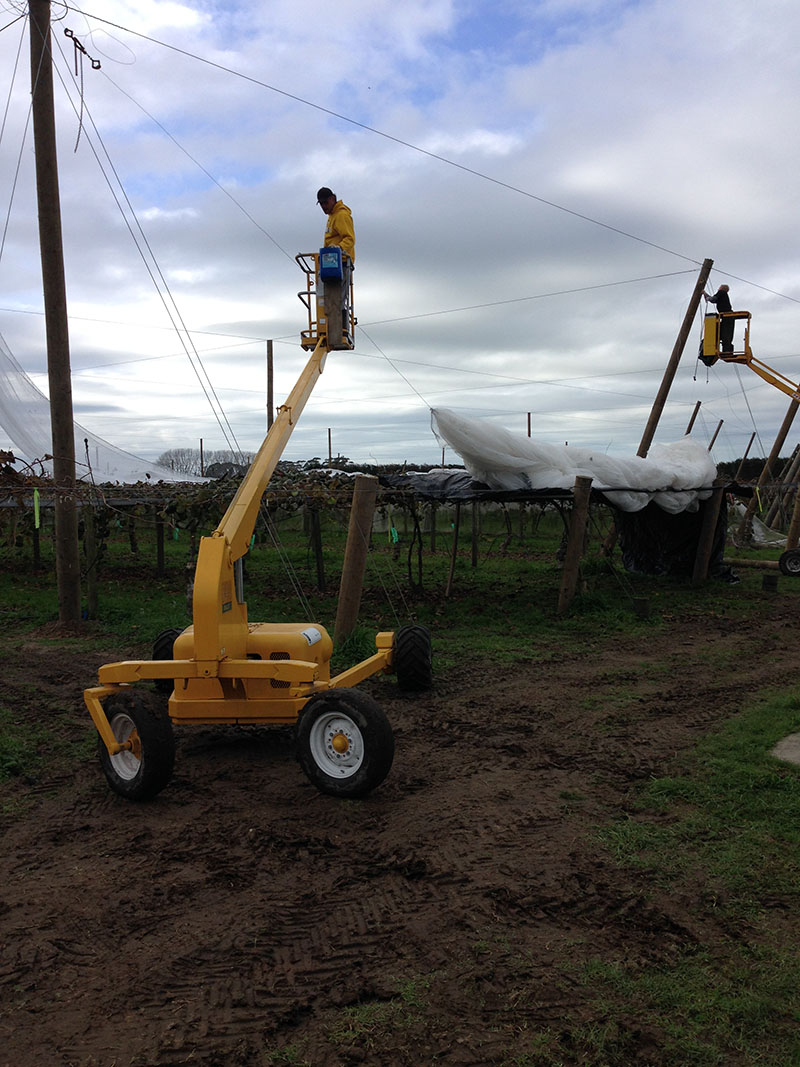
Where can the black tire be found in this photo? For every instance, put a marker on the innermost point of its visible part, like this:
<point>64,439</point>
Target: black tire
<point>413,659</point>
<point>345,744</point>
<point>141,773</point>
<point>162,649</point>
<point>789,563</point>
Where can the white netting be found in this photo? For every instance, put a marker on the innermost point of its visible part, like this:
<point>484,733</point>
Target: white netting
<point>25,417</point>
<point>675,476</point>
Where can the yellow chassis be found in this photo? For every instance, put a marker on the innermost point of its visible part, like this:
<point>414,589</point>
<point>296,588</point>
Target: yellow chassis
<point>239,693</point>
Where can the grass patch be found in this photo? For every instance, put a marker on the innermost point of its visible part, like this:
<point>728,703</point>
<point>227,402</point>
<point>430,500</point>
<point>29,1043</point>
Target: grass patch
<point>733,814</point>
<point>35,751</point>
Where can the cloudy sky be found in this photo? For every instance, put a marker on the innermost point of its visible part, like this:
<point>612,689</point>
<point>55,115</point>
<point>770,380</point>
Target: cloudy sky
<point>534,186</point>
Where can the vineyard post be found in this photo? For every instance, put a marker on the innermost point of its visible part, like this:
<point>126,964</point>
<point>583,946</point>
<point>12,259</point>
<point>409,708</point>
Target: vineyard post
<point>705,542</point>
<point>476,523</point>
<point>365,493</point>
<point>316,545</point>
<point>456,526</point>
<point>90,542</point>
<point>575,541</point>
<point>159,544</point>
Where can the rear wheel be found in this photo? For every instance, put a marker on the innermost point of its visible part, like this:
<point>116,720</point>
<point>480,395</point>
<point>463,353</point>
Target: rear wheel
<point>345,744</point>
<point>142,770</point>
<point>789,563</point>
<point>162,649</point>
<point>413,658</point>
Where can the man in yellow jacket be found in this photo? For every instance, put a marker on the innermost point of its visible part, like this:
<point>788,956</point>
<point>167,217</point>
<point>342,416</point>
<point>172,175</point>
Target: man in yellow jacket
<point>339,233</point>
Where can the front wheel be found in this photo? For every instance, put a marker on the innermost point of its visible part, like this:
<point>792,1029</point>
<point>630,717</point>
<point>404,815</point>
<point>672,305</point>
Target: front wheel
<point>141,771</point>
<point>789,563</point>
<point>345,744</point>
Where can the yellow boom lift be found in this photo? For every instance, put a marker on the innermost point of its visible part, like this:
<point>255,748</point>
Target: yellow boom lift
<point>712,349</point>
<point>225,669</point>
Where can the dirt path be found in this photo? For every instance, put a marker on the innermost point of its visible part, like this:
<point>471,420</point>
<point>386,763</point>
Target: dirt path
<point>242,913</point>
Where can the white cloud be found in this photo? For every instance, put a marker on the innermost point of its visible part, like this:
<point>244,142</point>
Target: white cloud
<point>620,142</point>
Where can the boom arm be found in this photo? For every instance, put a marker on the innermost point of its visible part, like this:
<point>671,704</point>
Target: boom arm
<point>773,377</point>
<point>238,522</point>
<point>219,609</point>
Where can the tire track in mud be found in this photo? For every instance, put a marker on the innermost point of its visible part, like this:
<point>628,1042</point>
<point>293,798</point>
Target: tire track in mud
<point>241,907</point>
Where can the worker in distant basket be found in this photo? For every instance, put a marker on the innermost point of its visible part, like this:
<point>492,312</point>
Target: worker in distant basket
<point>339,233</point>
<point>723,303</point>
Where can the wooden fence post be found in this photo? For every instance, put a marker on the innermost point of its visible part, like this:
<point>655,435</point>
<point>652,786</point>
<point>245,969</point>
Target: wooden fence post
<point>575,541</point>
<point>454,552</point>
<point>706,540</point>
<point>159,545</point>
<point>316,546</point>
<point>90,544</point>
<point>476,531</point>
<point>365,493</point>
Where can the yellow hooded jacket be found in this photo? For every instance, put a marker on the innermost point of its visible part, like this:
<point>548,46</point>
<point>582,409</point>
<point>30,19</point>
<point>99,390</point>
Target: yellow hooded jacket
<point>339,230</point>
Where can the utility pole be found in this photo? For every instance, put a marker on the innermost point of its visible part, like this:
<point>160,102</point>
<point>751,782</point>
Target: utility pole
<point>68,575</point>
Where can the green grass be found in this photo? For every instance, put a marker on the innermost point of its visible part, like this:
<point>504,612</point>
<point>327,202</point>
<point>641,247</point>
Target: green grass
<point>732,818</point>
<point>41,751</point>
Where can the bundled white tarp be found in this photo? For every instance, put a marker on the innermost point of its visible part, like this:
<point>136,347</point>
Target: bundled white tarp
<point>25,417</point>
<point>675,476</point>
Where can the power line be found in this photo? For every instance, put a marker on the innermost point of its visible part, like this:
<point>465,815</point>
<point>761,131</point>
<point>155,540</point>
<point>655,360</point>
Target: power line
<point>387,136</point>
<point>413,147</point>
<point>170,305</point>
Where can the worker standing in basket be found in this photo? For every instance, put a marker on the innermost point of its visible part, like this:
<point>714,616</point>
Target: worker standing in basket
<point>339,233</point>
<point>723,304</point>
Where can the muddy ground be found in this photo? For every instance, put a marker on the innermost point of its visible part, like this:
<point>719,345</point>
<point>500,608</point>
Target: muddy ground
<point>244,918</point>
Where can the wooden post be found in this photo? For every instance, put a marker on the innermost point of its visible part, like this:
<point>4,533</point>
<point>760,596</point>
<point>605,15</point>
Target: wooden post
<point>788,475</point>
<point>529,424</point>
<point>132,539</point>
<point>706,540</point>
<point>713,439</point>
<point>454,552</point>
<point>476,522</point>
<point>433,526</point>
<point>691,420</point>
<point>581,493</point>
<point>744,457</point>
<point>743,531</point>
<point>315,532</point>
<point>68,569</point>
<point>90,544</point>
<point>159,545</point>
<point>674,359</point>
<point>202,461</point>
<point>330,452</point>
<point>365,493</point>
<point>793,536</point>
<point>270,383</point>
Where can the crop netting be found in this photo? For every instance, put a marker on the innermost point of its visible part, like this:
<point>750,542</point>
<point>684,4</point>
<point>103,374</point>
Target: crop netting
<point>675,476</point>
<point>25,417</point>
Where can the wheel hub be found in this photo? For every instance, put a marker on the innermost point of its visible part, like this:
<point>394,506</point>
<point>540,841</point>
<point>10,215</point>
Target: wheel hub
<point>340,743</point>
